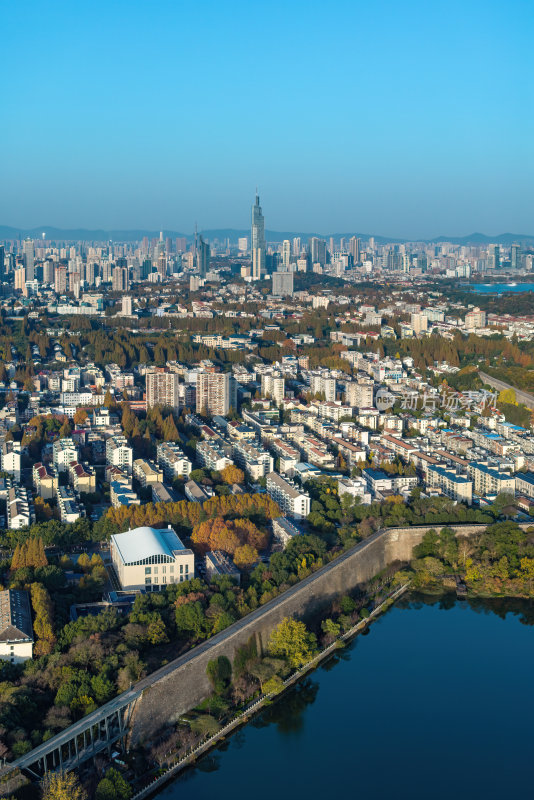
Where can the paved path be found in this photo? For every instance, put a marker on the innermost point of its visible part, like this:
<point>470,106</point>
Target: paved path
<point>522,397</point>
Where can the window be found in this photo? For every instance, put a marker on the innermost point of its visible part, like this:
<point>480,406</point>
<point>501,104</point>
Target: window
<point>171,568</point>
<point>156,580</point>
<point>164,569</point>
<point>147,581</point>
<point>164,579</point>
<point>181,568</point>
<point>148,570</point>
<point>156,569</point>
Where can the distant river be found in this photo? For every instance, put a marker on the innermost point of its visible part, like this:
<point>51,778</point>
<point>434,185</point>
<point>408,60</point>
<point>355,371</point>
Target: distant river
<point>499,288</point>
<point>436,701</point>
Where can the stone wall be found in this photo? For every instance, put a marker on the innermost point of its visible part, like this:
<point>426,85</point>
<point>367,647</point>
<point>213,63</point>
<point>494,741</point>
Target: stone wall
<point>182,684</point>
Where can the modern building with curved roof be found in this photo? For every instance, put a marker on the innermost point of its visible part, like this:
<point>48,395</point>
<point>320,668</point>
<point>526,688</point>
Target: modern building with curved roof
<point>151,558</point>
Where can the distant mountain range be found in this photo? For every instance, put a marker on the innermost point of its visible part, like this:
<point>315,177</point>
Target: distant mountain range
<point>99,235</point>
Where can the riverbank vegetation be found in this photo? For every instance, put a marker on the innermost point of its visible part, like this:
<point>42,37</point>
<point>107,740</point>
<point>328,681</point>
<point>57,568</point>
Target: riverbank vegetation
<point>498,562</point>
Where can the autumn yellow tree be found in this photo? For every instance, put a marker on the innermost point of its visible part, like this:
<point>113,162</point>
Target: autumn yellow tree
<point>80,417</point>
<point>292,640</point>
<point>232,474</point>
<point>62,786</point>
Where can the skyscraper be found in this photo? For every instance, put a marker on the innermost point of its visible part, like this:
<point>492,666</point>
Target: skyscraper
<point>515,257</point>
<point>494,256</point>
<point>317,250</point>
<point>29,258</point>
<point>355,249</point>
<point>257,240</point>
<point>2,262</point>
<point>203,256</point>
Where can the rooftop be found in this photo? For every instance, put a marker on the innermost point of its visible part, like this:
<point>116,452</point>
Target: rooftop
<point>15,616</point>
<point>140,543</point>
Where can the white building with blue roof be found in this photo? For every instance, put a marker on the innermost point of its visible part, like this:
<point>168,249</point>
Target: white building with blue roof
<point>150,559</point>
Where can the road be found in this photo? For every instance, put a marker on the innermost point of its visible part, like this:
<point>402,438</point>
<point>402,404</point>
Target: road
<point>522,397</point>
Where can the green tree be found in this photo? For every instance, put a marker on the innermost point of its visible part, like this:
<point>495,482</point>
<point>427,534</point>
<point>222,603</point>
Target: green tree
<point>113,787</point>
<point>219,671</point>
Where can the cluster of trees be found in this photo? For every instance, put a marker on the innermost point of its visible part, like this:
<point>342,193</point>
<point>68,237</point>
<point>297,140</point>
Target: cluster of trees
<point>499,561</point>
<point>187,514</point>
<point>240,538</point>
<point>30,553</point>
<point>43,623</point>
<point>66,786</point>
<point>341,522</point>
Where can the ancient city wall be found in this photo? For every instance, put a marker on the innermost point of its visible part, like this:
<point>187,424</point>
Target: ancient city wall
<point>183,683</point>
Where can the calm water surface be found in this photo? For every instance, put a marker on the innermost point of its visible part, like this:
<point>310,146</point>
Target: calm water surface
<point>436,701</point>
<point>499,288</point>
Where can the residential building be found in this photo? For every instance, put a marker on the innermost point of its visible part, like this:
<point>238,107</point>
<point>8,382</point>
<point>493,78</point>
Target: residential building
<point>213,392</point>
<point>69,510</point>
<point>490,480</point>
<point>162,389</point>
<point>211,455</point>
<point>119,453</point>
<point>45,481</point>
<point>64,453</point>
<point>219,564</point>
<point>147,472</point>
<point>11,457</point>
<point>20,511</point>
<point>16,630</point>
<point>291,500</point>
<point>284,530</point>
<point>172,460</point>
<point>256,461</point>
<point>457,487</point>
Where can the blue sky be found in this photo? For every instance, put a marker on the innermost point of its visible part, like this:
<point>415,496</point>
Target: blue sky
<point>409,119</point>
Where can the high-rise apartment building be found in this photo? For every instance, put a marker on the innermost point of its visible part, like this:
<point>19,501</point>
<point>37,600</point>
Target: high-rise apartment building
<point>162,389</point>
<point>49,269</point>
<point>317,249</point>
<point>286,253</point>
<point>20,279</point>
<point>120,282</point>
<point>60,279</point>
<point>213,392</point>
<point>257,241</point>
<point>282,284</point>
<point>127,305</point>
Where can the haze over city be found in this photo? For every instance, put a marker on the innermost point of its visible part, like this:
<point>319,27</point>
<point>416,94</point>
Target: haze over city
<point>407,120</point>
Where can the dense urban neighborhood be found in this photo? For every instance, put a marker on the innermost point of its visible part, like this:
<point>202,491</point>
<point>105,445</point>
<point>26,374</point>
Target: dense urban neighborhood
<point>188,430</point>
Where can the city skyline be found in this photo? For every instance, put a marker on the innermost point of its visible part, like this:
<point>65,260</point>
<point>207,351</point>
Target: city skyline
<point>393,119</point>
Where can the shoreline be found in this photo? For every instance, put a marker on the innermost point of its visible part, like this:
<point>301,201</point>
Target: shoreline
<point>252,709</point>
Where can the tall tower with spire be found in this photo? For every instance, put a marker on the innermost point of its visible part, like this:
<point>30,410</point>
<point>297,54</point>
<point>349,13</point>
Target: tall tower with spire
<point>257,240</point>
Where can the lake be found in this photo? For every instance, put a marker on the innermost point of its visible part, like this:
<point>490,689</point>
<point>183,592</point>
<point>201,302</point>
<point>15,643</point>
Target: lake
<point>435,701</point>
<point>499,288</point>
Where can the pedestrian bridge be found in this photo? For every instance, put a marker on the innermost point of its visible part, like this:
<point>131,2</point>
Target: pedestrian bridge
<point>93,734</point>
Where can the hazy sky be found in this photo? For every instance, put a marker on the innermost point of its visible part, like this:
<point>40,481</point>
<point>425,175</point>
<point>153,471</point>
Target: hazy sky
<point>409,118</point>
